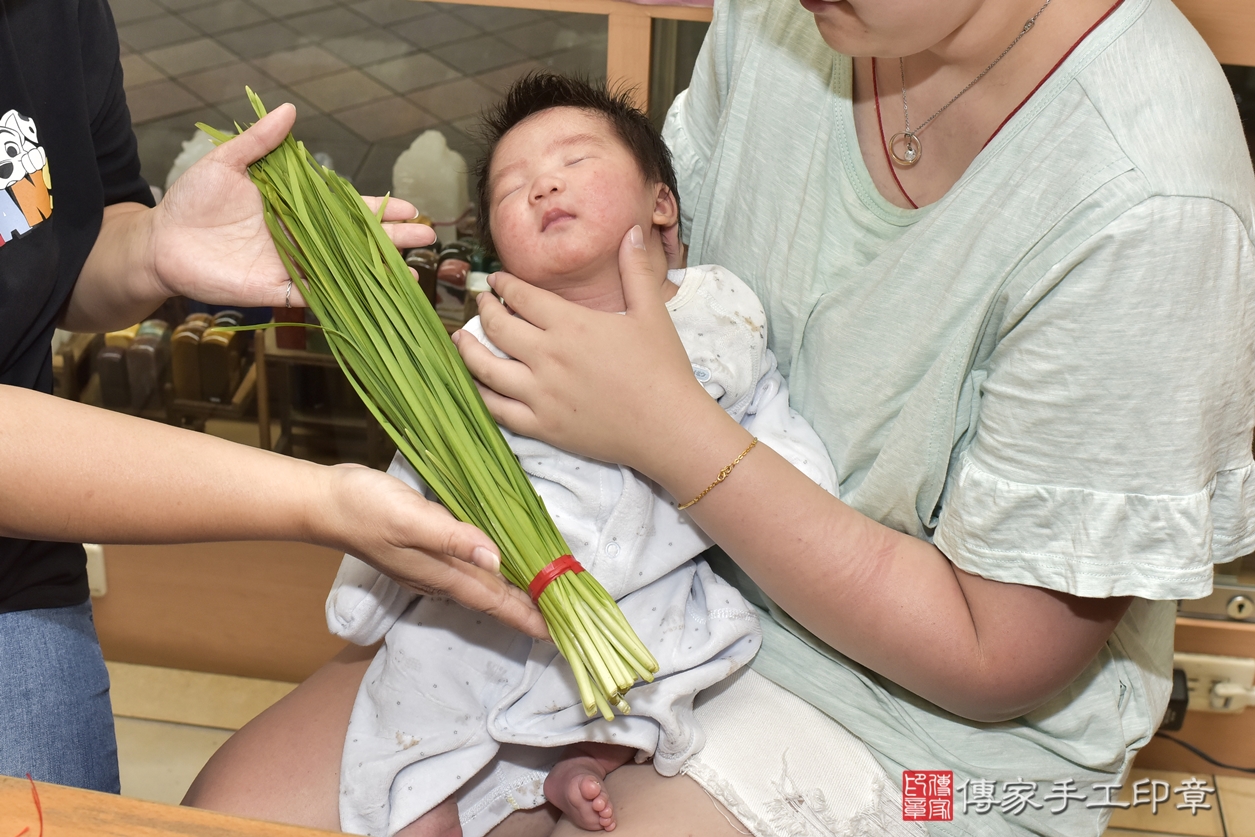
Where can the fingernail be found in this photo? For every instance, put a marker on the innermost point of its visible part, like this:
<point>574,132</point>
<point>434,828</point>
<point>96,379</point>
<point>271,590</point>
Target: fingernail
<point>455,337</point>
<point>637,237</point>
<point>492,281</point>
<point>486,558</point>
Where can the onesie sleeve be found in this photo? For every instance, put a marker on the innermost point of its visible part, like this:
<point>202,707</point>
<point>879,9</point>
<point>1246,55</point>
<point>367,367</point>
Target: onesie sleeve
<point>693,119</point>
<point>1112,453</point>
<point>782,429</point>
<point>364,603</point>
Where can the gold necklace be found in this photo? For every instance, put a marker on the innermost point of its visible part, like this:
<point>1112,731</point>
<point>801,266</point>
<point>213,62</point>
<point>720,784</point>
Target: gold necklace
<point>912,148</point>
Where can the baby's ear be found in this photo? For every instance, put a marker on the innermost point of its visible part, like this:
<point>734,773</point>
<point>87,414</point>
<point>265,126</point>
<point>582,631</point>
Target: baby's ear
<point>667,221</point>
<point>666,210</point>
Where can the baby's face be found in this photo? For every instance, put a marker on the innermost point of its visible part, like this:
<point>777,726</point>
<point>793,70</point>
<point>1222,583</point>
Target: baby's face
<point>563,191</point>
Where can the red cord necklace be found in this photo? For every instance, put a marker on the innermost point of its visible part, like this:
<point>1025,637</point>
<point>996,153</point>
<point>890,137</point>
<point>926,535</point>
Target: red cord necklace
<point>880,124</point>
<point>884,143</point>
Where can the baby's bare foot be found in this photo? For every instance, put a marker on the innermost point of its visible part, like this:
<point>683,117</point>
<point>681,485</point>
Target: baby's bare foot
<point>575,786</point>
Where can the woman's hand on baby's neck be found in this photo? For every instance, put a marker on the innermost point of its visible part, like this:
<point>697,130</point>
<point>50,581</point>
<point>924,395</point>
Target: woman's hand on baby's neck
<point>600,287</point>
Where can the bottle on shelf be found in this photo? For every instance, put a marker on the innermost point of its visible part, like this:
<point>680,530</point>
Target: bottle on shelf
<point>146,361</point>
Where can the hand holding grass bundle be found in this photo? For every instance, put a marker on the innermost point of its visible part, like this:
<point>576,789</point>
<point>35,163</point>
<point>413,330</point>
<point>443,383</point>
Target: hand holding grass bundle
<point>397,355</point>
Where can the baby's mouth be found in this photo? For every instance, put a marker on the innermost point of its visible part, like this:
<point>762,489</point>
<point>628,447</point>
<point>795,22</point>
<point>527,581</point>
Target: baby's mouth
<point>552,216</point>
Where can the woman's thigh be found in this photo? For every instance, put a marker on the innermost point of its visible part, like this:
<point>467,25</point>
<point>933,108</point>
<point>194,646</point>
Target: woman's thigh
<point>284,765</point>
<point>649,805</point>
<point>56,722</point>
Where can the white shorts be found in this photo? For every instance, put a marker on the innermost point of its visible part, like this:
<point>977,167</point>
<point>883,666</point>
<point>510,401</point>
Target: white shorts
<point>785,769</point>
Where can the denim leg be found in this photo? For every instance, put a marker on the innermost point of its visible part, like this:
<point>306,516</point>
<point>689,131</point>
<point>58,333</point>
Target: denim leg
<point>56,722</point>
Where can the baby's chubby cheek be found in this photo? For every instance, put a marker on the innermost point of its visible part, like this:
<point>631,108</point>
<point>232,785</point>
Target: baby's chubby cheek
<point>517,246</point>
<point>592,238</point>
<point>550,254</point>
<point>566,247</point>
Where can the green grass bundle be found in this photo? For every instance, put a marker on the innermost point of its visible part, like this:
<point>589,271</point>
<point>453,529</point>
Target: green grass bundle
<point>397,355</point>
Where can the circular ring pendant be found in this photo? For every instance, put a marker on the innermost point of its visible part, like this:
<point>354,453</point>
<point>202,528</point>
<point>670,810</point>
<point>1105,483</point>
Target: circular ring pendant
<point>911,148</point>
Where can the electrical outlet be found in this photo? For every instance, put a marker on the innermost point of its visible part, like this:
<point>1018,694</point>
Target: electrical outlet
<point>1204,672</point>
<point>95,569</point>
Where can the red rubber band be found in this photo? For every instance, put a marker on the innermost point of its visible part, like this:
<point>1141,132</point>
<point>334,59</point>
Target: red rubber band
<point>560,565</point>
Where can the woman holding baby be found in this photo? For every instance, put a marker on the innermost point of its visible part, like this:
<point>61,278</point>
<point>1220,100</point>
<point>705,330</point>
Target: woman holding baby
<point>1005,251</point>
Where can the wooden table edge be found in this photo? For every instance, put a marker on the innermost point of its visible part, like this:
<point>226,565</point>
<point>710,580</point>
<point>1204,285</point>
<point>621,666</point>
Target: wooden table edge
<point>73,812</point>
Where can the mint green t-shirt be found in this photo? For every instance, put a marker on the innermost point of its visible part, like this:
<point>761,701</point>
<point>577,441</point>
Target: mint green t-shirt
<point>1049,373</point>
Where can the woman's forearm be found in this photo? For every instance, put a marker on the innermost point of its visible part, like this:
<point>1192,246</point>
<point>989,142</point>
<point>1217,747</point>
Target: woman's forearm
<point>76,473</point>
<point>985,650</point>
<point>117,286</point>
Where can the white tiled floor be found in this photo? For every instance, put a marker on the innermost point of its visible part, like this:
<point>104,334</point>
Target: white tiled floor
<point>170,722</point>
<point>1168,819</point>
<point>1237,799</point>
<point>159,760</point>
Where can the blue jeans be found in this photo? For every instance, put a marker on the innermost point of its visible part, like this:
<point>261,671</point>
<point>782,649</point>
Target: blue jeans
<point>56,722</point>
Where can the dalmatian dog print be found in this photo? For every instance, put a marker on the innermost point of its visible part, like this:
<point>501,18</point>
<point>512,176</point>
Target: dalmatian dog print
<point>26,196</point>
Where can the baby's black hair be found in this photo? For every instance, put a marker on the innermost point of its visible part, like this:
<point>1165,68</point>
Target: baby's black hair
<point>542,90</point>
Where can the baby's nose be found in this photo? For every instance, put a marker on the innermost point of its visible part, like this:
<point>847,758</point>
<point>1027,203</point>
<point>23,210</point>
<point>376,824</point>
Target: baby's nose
<point>547,187</point>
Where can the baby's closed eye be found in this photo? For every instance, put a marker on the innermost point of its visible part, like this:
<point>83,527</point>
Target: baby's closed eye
<point>504,191</point>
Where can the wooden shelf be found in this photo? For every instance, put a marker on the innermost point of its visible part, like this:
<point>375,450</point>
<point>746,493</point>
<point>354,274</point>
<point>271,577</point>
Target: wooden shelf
<point>71,364</point>
<point>303,357</point>
<point>234,409</point>
<point>294,422</point>
<point>1215,636</point>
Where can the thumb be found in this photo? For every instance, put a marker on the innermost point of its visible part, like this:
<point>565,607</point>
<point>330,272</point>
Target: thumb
<point>640,285</point>
<point>259,140</point>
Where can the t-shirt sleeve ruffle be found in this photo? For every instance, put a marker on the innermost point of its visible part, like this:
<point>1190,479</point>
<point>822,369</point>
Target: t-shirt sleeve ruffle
<point>1112,453</point>
<point>1097,543</point>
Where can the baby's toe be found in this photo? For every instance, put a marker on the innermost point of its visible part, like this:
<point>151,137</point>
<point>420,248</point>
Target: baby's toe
<point>590,789</point>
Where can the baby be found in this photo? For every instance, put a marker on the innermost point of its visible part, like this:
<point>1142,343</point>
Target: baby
<point>460,721</point>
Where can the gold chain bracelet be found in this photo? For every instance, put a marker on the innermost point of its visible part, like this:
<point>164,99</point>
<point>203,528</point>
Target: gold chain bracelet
<point>723,475</point>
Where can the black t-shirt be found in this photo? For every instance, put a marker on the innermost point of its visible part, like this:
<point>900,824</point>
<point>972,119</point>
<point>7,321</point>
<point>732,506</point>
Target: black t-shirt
<point>66,152</point>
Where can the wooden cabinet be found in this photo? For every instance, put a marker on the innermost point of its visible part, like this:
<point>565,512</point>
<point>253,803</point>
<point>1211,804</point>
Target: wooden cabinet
<point>1228,738</point>
<point>1228,26</point>
<point>249,608</point>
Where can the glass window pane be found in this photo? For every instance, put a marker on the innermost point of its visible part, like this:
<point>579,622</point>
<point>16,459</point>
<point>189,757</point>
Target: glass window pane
<point>675,47</point>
